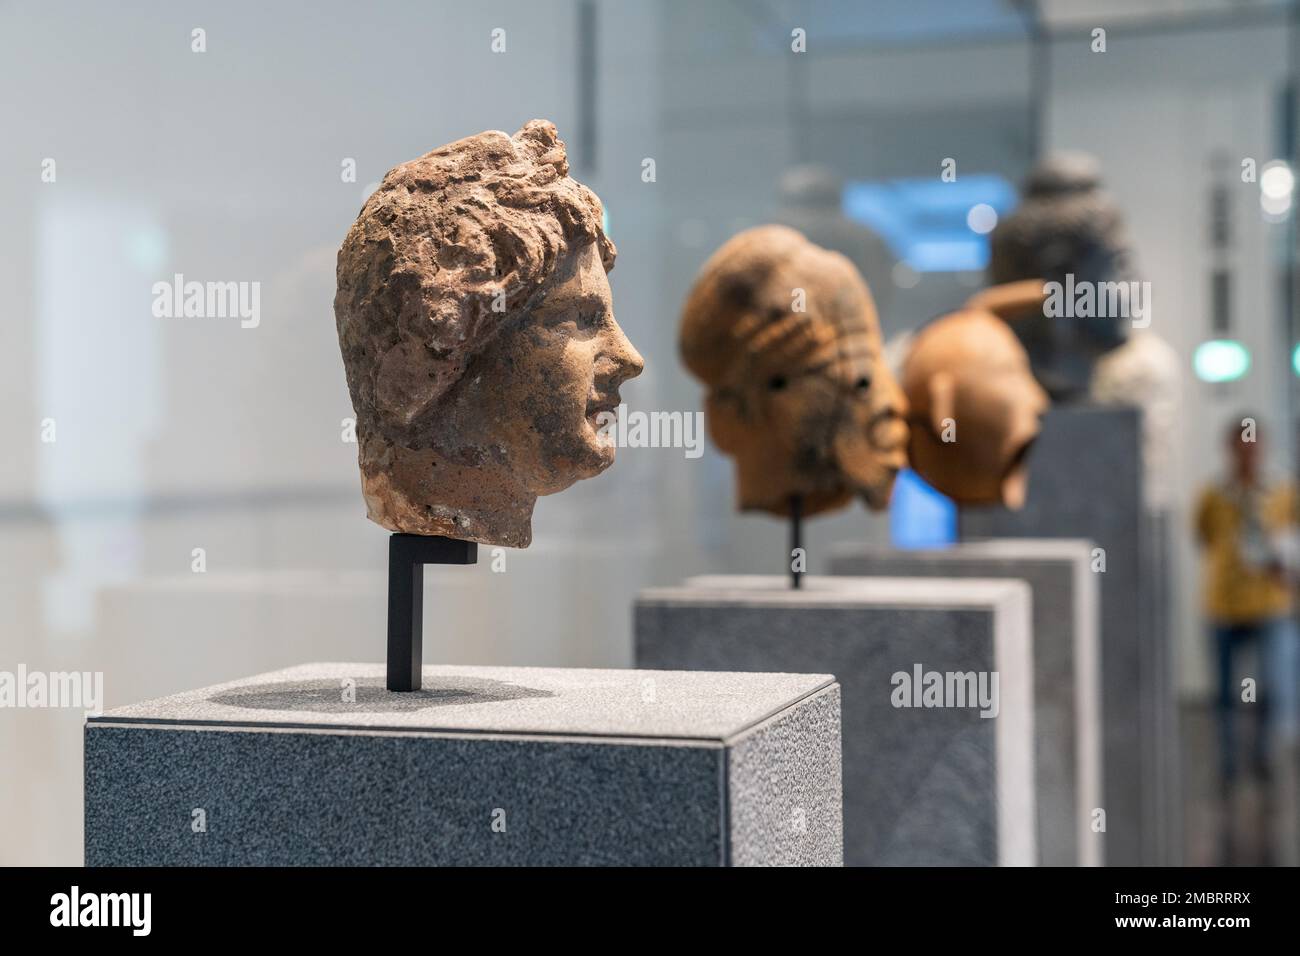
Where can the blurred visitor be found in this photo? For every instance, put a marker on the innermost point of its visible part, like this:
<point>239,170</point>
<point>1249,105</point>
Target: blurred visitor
<point>1246,525</point>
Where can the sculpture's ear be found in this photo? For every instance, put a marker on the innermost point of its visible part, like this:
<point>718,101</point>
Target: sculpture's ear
<point>1011,300</point>
<point>942,388</point>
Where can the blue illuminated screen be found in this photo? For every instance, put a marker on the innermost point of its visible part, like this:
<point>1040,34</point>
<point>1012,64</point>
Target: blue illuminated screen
<point>924,220</point>
<point>919,516</point>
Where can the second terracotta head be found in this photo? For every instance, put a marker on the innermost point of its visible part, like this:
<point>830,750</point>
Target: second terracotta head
<point>785,337</point>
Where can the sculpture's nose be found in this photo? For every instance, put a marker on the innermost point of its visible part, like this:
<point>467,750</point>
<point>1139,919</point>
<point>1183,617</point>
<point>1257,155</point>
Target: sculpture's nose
<point>627,360</point>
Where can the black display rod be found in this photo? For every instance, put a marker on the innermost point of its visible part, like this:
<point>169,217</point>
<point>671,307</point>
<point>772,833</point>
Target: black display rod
<point>796,539</point>
<point>407,556</point>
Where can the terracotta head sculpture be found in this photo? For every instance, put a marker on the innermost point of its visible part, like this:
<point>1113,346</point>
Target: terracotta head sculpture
<point>1066,225</point>
<point>785,337</point>
<point>975,407</point>
<point>476,326</point>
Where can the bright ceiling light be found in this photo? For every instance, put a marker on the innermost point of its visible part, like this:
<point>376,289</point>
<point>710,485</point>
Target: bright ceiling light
<point>1276,189</point>
<point>982,218</point>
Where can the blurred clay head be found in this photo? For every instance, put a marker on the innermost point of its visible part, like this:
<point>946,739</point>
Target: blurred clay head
<point>975,407</point>
<point>1066,225</point>
<point>785,337</point>
<point>478,335</point>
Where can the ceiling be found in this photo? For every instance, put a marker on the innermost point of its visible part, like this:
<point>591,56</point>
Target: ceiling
<point>909,21</point>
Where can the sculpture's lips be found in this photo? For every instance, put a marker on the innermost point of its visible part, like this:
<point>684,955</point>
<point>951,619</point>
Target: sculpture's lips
<point>602,405</point>
<point>892,459</point>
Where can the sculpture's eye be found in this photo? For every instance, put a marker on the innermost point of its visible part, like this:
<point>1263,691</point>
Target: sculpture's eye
<point>776,383</point>
<point>862,384</point>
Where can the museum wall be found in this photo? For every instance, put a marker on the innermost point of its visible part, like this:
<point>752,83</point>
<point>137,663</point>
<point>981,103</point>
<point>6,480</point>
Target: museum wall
<point>174,435</point>
<point>1158,134</point>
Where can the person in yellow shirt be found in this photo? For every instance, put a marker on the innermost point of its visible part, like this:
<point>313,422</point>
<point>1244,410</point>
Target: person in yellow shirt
<point>1246,526</point>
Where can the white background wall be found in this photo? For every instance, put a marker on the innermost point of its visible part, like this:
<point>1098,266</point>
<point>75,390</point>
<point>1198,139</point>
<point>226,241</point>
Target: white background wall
<point>1157,110</point>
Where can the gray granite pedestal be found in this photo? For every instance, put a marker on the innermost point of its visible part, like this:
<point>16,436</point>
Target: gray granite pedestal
<point>1067,704</point>
<point>486,766</point>
<point>923,785</point>
<point>1085,481</point>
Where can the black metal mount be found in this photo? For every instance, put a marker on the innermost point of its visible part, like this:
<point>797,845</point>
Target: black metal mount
<point>407,556</point>
<point>796,538</point>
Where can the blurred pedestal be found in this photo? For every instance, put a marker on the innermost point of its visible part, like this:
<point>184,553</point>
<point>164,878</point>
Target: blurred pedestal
<point>922,785</point>
<point>1085,481</point>
<point>1067,710</point>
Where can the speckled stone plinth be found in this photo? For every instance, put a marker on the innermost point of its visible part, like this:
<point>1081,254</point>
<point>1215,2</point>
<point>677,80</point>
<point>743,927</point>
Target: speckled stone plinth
<point>487,766</point>
<point>1067,706</point>
<point>922,786</point>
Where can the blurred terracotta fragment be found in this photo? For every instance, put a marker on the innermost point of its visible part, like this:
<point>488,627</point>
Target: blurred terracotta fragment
<point>784,336</point>
<point>1066,225</point>
<point>976,407</point>
<point>478,336</point>
<point>1068,229</point>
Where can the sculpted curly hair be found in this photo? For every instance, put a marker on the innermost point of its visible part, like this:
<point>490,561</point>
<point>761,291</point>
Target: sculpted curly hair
<point>737,321</point>
<point>784,336</point>
<point>447,249</point>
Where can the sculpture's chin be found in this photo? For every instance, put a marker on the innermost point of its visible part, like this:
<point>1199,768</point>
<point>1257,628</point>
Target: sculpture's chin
<point>878,493</point>
<point>1014,487</point>
<point>585,460</point>
<point>596,455</point>
<point>873,479</point>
